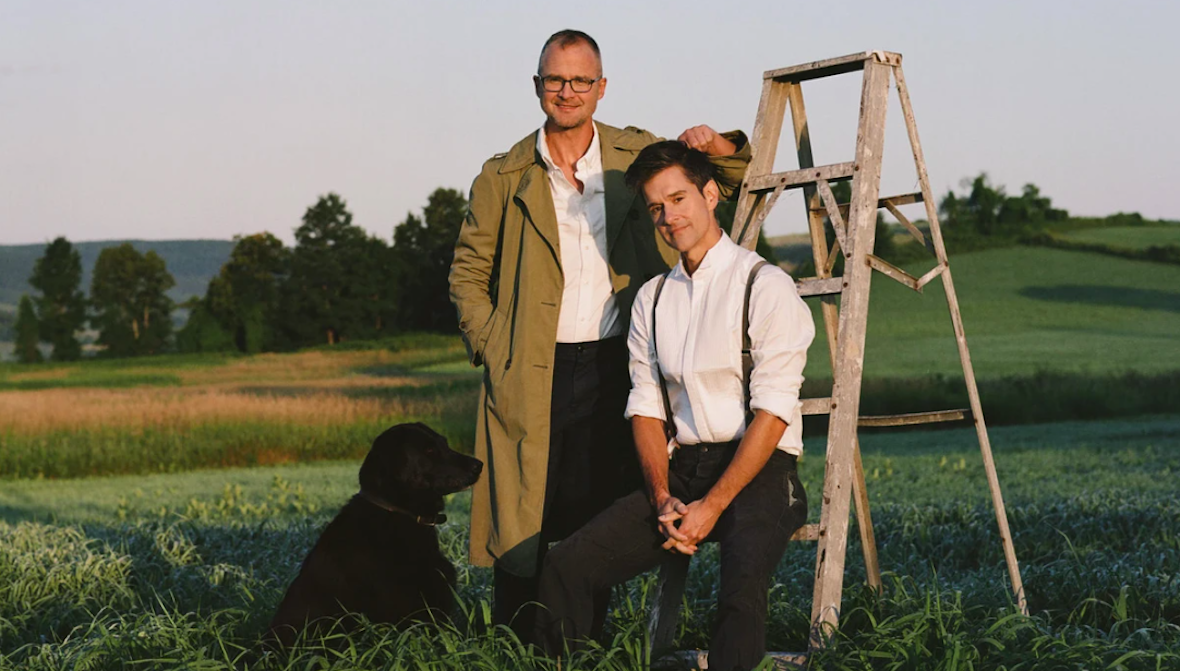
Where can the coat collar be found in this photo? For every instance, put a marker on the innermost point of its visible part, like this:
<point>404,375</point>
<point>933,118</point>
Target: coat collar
<point>618,151</point>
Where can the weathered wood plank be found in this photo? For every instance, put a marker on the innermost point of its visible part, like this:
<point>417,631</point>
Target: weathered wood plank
<point>831,66</point>
<point>768,125</point>
<point>794,179</point>
<point>952,300</point>
<point>915,418</point>
<point>839,475</point>
<point>816,286</point>
<point>893,272</point>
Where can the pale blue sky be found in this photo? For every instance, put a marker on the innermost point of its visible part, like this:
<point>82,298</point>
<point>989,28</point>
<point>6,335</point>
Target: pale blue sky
<point>205,119</point>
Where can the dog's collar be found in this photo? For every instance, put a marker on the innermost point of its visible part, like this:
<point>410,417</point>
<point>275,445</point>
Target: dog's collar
<point>425,520</point>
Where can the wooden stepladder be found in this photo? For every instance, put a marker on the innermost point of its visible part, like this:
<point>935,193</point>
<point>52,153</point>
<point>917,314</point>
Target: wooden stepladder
<point>845,322</point>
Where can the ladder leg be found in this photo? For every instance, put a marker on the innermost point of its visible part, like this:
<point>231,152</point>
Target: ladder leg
<point>952,300</point>
<point>849,367</point>
<point>768,126</point>
<point>829,309</point>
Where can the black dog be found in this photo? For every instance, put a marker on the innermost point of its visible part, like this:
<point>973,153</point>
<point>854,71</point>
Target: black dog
<point>380,556</point>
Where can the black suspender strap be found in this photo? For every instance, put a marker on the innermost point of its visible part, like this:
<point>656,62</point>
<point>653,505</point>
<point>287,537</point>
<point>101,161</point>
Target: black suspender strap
<point>669,422</point>
<point>747,346</point>
<point>747,357</point>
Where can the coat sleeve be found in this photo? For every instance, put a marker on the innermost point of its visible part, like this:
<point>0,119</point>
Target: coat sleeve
<point>731,169</point>
<point>474,265</point>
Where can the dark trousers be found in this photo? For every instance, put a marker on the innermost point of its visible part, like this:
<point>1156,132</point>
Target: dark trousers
<point>623,541</point>
<point>592,462</point>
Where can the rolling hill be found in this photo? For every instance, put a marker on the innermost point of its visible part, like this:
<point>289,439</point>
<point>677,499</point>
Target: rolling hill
<point>192,262</point>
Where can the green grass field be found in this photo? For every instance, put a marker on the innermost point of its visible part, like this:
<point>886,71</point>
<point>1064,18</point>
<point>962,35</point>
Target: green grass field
<point>183,570</point>
<point>1025,309</point>
<point>153,510</point>
<point>1131,237</point>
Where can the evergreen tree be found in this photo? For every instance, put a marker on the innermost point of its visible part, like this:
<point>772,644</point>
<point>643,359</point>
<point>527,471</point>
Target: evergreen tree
<point>27,331</point>
<point>133,314</point>
<point>61,307</point>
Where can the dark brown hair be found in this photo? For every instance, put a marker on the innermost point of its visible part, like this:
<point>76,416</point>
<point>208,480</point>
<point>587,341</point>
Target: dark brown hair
<point>655,158</point>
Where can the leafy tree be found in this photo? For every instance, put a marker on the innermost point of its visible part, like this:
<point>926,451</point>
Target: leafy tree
<point>986,211</point>
<point>133,314</point>
<point>27,331</point>
<point>61,307</point>
<point>202,332</point>
<point>423,249</point>
<point>340,284</point>
<point>245,296</point>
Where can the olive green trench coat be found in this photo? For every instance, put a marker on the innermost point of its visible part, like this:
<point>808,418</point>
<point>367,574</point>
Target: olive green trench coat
<point>506,282</point>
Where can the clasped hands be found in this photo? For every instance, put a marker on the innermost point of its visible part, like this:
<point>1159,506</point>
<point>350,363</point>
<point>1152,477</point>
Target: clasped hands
<point>685,525</point>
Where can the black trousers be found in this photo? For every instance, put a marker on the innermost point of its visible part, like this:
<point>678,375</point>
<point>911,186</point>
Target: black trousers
<point>592,463</point>
<point>623,541</point>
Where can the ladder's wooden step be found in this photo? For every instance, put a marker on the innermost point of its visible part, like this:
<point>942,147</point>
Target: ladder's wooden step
<point>820,286</point>
<point>831,66</point>
<point>822,405</point>
<point>911,418</point>
<point>817,406</point>
<point>896,201</point>
<point>794,179</point>
<point>682,660</point>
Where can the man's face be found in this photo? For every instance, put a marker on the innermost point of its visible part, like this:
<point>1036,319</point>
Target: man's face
<point>567,109</point>
<point>682,213</point>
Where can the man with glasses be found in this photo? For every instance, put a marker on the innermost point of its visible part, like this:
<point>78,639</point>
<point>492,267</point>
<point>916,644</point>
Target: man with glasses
<point>553,249</point>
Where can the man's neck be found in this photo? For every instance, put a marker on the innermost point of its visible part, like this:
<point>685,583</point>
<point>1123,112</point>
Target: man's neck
<point>567,145</point>
<point>693,258</point>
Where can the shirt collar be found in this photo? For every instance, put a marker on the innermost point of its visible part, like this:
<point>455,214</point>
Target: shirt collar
<point>592,158</point>
<point>719,257</point>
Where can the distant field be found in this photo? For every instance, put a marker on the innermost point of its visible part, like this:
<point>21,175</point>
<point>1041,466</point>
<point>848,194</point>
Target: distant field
<point>1054,334</point>
<point>184,570</point>
<point>1025,309</point>
<point>1133,237</point>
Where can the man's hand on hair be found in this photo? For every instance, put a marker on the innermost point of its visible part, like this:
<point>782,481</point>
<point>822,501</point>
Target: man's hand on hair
<point>707,140</point>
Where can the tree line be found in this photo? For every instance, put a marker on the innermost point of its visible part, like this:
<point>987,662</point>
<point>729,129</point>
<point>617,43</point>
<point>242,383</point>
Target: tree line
<point>337,283</point>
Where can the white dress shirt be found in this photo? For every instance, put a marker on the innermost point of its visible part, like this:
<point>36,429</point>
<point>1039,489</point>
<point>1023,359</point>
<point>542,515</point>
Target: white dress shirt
<point>589,310</point>
<point>699,324</point>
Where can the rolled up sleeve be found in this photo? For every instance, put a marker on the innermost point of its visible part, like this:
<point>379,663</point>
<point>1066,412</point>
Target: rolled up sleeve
<point>781,330</point>
<point>645,399</point>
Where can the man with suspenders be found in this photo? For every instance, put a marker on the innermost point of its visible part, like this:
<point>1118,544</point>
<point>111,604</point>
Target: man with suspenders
<point>717,347</point>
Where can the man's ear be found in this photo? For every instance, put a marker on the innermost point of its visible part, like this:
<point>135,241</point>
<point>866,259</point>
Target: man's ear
<point>601,88</point>
<point>540,93</point>
<point>712,195</point>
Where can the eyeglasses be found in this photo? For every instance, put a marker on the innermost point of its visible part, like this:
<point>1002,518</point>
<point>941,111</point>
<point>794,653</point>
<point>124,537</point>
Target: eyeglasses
<point>555,84</point>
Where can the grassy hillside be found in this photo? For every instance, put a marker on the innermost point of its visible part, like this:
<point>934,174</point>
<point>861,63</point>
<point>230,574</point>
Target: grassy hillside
<point>192,262</point>
<point>1026,309</point>
<point>1133,237</point>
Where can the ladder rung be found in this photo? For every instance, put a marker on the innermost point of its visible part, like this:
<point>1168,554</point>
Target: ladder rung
<point>831,66</point>
<point>894,273</point>
<point>822,405</point>
<point>896,201</point>
<point>807,532</point>
<point>820,286</point>
<point>911,418</point>
<point>817,406</point>
<point>794,179</point>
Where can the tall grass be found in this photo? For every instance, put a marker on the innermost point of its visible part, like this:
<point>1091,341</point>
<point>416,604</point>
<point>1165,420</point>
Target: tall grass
<point>184,577</point>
